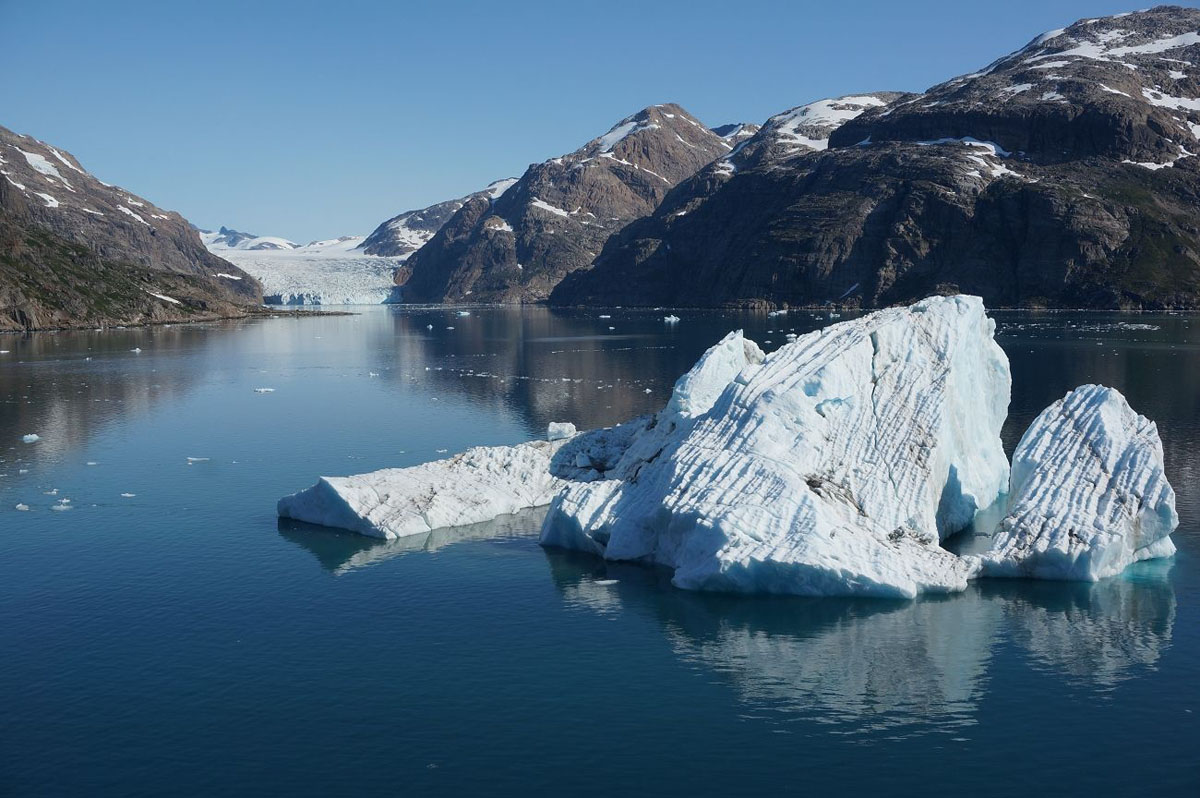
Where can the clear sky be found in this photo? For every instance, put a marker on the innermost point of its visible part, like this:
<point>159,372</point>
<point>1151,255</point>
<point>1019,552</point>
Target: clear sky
<point>315,119</point>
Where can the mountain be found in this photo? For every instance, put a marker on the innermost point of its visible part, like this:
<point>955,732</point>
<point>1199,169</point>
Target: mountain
<point>736,132</point>
<point>1060,175</point>
<point>75,251</point>
<point>404,234</point>
<point>226,239</point>
<point>517,246</point>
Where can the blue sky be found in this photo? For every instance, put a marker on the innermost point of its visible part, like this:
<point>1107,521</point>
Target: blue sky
<point>310,120</point>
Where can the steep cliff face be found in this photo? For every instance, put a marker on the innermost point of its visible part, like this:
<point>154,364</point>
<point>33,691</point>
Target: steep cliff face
<point>1062,175</point>
<point>75,251</point>
<point>517,246</point>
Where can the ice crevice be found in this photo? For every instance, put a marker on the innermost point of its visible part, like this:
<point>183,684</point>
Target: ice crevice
<point>835,465</point>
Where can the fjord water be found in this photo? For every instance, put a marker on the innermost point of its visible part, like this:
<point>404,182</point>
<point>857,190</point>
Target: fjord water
<point>183,641</point>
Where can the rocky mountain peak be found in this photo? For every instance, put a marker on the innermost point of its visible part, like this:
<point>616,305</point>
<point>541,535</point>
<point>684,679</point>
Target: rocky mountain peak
<point>1063,174</point>
<point>407,232</point>
<point>735,133</point>
<point>1119,86</point>
<point>556,217</point>
<point>77,250</point>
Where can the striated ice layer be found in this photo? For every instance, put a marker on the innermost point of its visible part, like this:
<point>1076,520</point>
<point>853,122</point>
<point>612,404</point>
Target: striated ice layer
<point>469,488</point>
<point>832,467</point>
<point>1088,495</point>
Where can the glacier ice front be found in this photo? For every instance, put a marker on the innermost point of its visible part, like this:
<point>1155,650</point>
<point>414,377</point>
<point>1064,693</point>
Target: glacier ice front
<point>833,466</point>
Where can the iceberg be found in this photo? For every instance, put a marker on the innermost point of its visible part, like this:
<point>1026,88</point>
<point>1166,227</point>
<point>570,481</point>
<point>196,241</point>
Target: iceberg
<point>833,466</point>
<point>1088,494</point>
<point>468,488</point>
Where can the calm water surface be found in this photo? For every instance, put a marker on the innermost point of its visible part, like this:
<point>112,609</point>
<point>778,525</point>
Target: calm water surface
<point>182,641</point>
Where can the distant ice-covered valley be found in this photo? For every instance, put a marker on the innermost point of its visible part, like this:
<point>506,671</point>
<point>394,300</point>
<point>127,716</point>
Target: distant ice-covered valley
<point>331,272</point>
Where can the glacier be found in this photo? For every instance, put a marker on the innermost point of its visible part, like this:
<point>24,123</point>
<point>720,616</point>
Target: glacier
<point>835,465</point>
<point>333,272</point>
<point>1088,494</point>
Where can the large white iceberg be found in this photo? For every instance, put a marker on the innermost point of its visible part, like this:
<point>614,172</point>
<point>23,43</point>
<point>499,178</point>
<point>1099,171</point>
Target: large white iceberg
<point>1088,495</point>
<point>833,467</point>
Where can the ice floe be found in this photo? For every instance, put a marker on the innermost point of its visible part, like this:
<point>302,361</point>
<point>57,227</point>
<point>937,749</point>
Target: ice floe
<point>472,487</point>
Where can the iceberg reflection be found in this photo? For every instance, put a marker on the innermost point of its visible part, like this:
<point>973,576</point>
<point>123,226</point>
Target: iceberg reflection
<point>906,667</point>
<point>1096,634</point>
<point>339,551</point>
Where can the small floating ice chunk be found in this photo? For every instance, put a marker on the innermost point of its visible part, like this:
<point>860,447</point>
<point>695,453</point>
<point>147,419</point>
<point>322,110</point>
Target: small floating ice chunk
<point>197,460</point>
<point>136,349</point>
<point>604,582</point>
<point>264,390</point>
<point>560,430</point>
<point>60,507</point>
<point>128,495</point>
<point>92,463</point>
<point>22,507</point>
<point>31,438</point>
<point>464,313</point>
<point>1088,495</point>
<point>605,316</point>
<point>669,319</point>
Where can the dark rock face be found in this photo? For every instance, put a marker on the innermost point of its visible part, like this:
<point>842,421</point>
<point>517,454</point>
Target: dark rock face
<point>1061,175</point>
<point>405,234</point>
<point>77,252</point>
<point>517,246</point>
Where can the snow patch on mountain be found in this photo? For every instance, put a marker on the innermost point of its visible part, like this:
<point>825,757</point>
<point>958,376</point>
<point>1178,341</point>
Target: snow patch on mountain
<point>809,126</point>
